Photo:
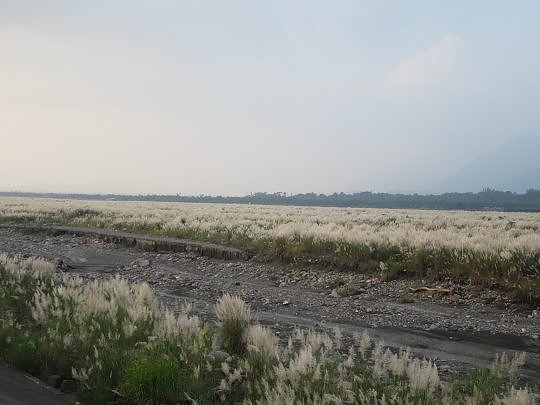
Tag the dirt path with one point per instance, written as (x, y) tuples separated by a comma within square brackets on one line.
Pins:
[(451, 330)]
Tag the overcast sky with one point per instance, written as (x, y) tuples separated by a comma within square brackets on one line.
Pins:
[(232, 97)]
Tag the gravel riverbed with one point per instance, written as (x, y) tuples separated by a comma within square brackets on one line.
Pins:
[(460, 329)]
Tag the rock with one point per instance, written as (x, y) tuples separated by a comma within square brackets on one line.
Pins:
[(218, 356), (349, 291), (61, 265), (405, 299), (68, 386), (54, 380), (140, 263), (144, 262)]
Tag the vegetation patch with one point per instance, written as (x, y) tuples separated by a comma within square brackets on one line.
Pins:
[(119, 343)]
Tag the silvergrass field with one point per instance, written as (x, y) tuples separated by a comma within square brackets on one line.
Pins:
[(483, 248)]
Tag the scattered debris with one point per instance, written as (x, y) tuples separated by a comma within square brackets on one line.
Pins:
[(428, 289)]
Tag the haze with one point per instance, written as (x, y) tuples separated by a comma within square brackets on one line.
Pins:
[(235, 97)]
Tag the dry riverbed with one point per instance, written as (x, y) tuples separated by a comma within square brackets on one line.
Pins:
[(464, 328)]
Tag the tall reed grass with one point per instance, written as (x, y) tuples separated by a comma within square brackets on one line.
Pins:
[(485, 248), (120, 343)]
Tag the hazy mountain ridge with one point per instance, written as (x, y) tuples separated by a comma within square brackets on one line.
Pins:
[(514, 166)]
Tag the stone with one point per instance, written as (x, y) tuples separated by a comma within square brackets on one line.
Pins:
[(220, 355), (68, 386), (349, 291)]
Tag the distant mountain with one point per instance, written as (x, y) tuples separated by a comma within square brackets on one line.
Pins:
[(514, 166)]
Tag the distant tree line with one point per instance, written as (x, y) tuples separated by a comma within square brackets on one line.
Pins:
[(487, 199)]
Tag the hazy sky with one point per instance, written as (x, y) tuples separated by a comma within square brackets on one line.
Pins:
[(230, 97)]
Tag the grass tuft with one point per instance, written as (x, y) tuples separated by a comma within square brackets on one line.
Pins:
[(233, 318)]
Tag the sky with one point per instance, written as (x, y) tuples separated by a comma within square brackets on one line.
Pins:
[(234, 97)]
